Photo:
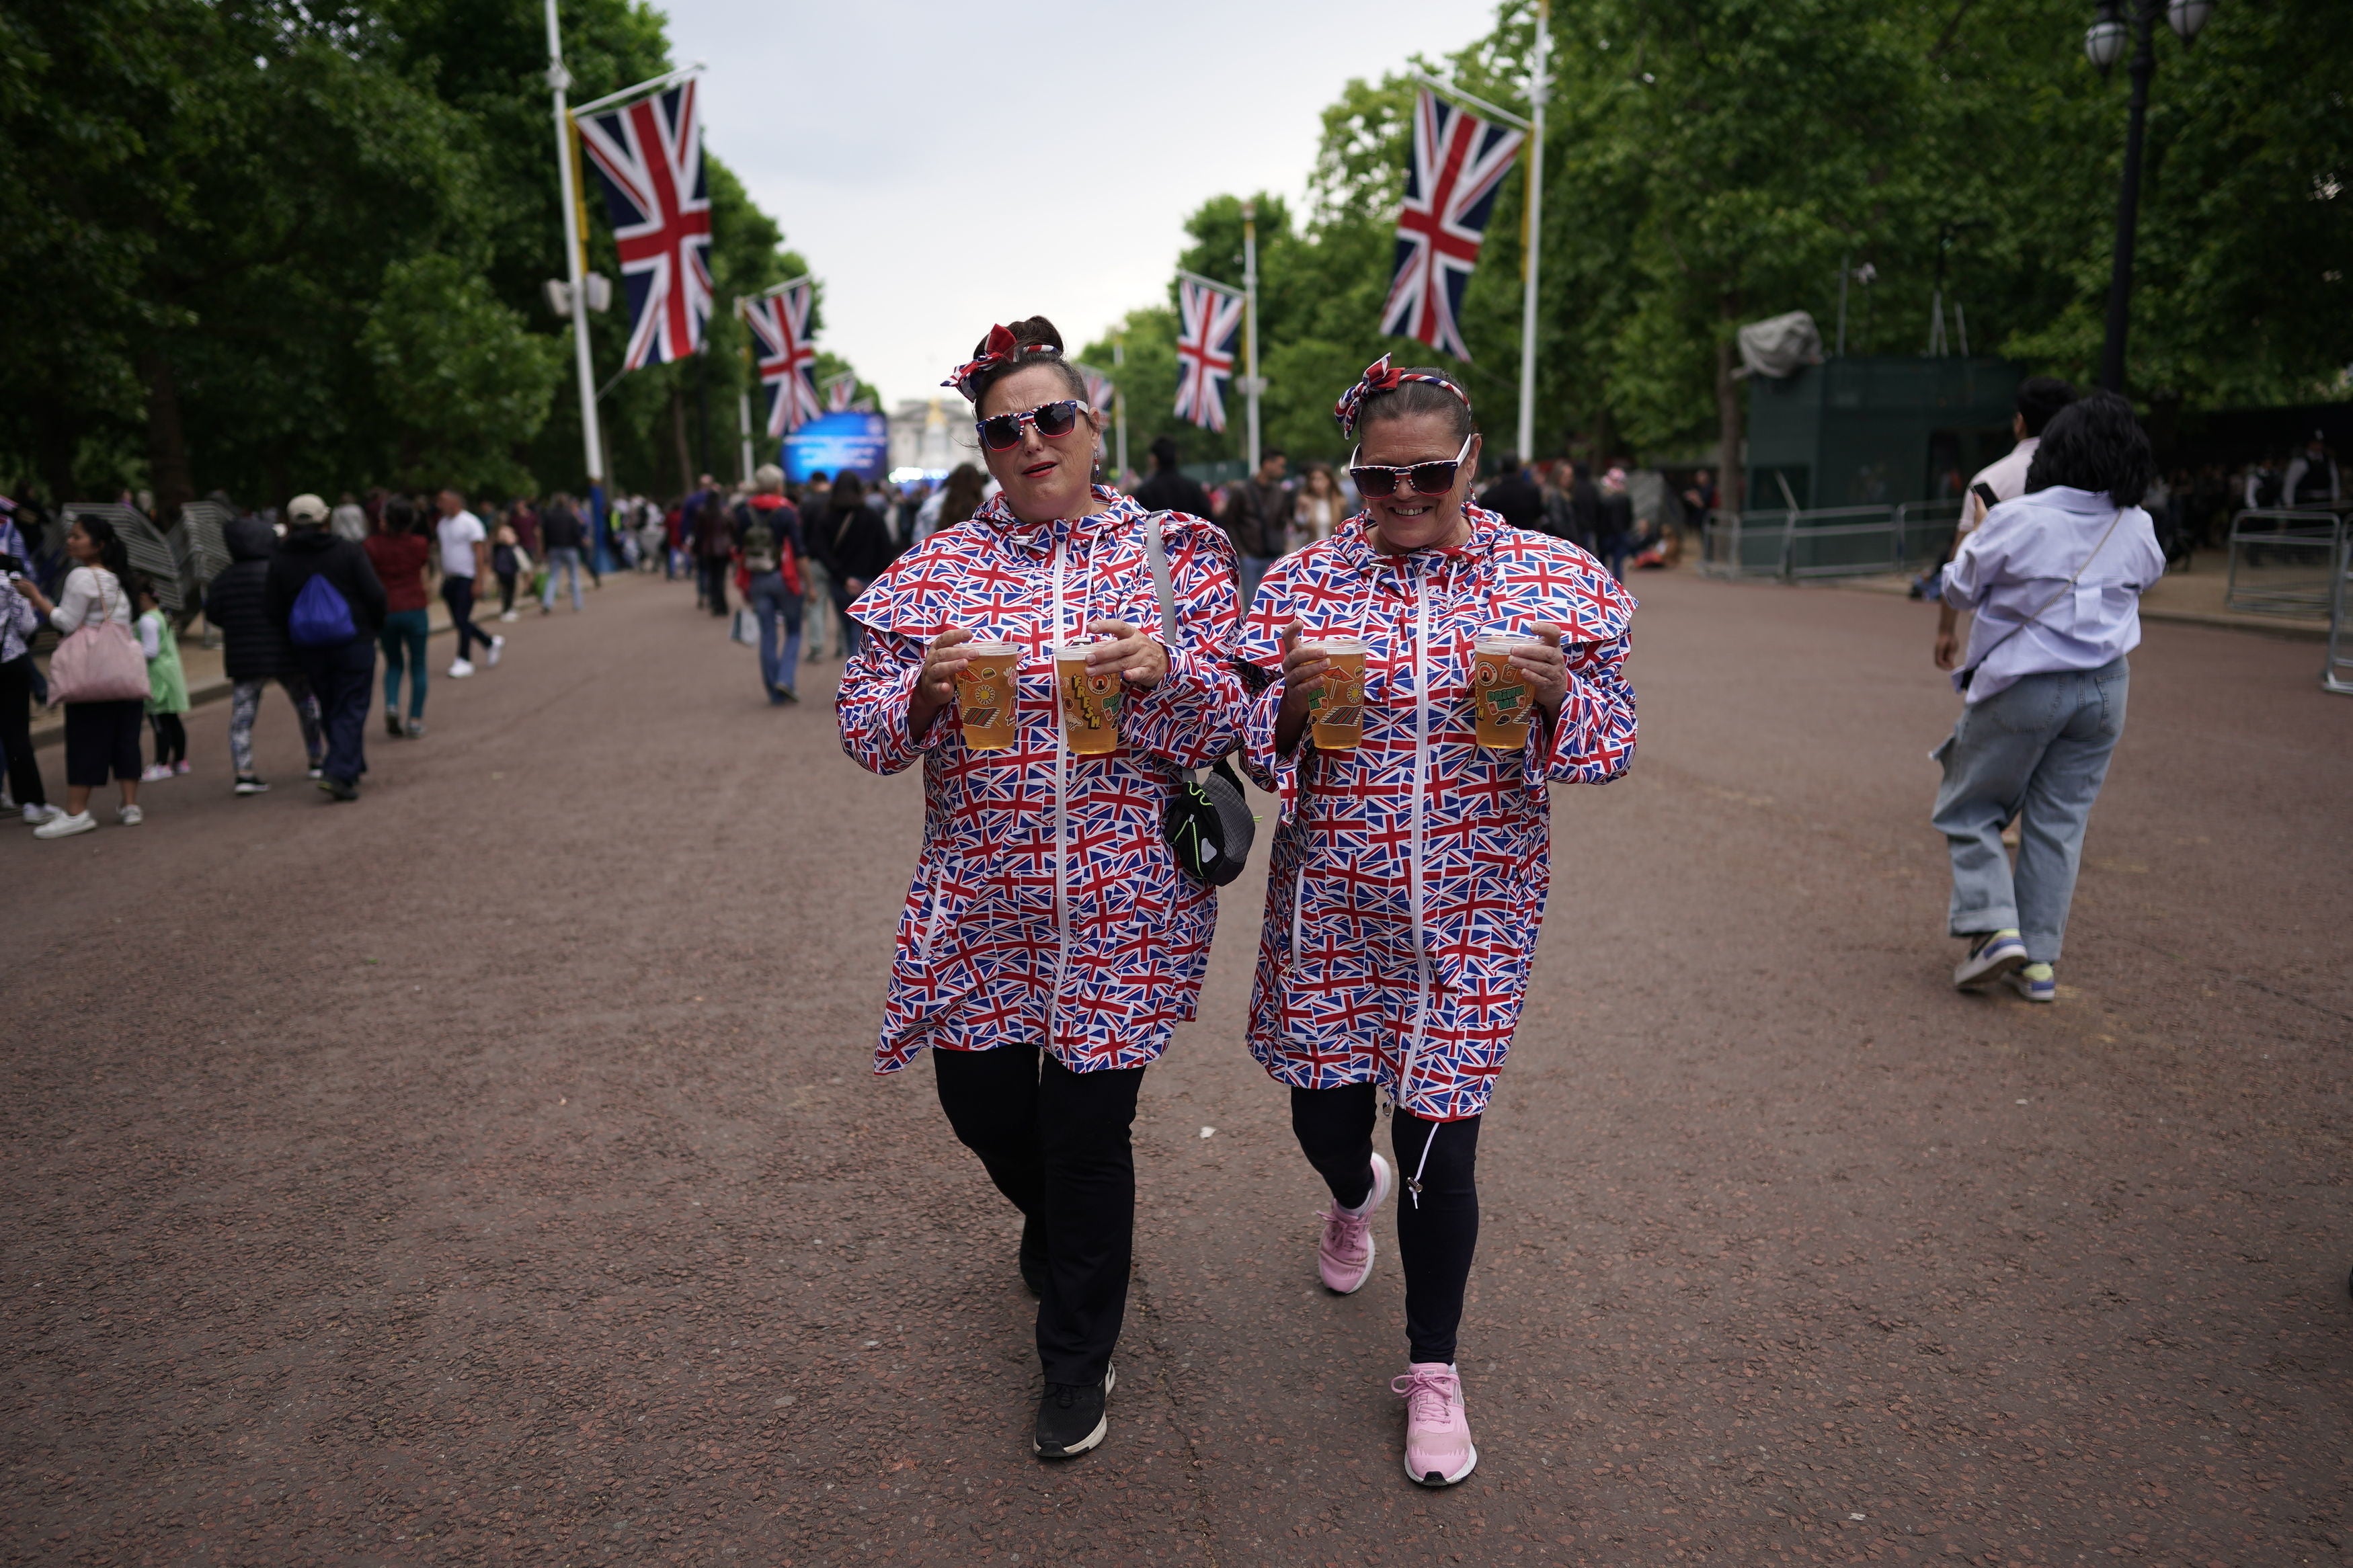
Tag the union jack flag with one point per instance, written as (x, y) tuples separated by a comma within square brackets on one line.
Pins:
[(1459, 162), (1099, 390), (648, 157), (841, 395), (1209, 327), (779, 325)]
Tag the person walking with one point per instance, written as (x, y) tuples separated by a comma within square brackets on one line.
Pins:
[(855, 543), (507, 563), (1515, 496), (348, 520), (465, 561), (560, 533), (1170, 488), (1317, 508), (401, 556), (101, 733), (2055, 579), (952, 504), (1615, 521), (323, 590), (20, 620), (167, 684), (768, 532), (2039, 399), (1258, 518), (714, 546), (254, 649), (1409, 871), (1046, 980)]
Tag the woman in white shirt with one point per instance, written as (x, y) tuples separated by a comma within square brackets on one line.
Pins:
[(100, 737), (2055, 577), (1318, 510)]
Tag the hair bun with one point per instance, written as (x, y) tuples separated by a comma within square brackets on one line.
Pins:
[(1037, 335)]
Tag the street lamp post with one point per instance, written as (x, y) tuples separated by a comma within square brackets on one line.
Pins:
[(2104, 44)]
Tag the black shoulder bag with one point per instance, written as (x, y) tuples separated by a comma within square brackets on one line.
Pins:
[(1207, 822)]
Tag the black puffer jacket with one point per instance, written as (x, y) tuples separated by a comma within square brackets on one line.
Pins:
[(253, 647)]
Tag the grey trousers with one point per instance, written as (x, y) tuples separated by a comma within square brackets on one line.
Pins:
[(2039, 750)]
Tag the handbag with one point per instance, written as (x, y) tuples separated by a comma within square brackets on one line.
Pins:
[(101, 663), (1207, 822)]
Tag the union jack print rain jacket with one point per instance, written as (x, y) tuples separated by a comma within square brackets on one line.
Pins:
[(1046, 908), (1409, 875)]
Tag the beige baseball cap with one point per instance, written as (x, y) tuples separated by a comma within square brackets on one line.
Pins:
[(306, 509)]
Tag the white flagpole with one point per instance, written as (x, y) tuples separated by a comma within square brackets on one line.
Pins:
[(1119, 401), (1539, 89), (1250, 383), (558, 80)]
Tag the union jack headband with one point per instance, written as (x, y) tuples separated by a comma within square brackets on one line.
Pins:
[(1379, 377), (998, 349)]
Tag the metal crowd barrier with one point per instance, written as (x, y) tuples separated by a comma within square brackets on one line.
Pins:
[(2284, 563), (1826, 542), (2337, 674)]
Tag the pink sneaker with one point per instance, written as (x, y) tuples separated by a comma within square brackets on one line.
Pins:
[(1345, 1255), (1438, 1447)]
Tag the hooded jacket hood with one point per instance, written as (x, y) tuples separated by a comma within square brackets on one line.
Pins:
[(250, 539)]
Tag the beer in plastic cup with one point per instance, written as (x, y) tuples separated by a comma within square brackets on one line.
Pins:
[(1501, 695), (1090, 701), (1336, 706), (986, 691)]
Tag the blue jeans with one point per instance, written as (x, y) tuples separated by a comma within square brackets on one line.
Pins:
[(404, 636), (561, 558), (2040, 750), (771, 602)]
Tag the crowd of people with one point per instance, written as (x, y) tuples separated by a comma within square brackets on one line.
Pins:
[(375, 561)]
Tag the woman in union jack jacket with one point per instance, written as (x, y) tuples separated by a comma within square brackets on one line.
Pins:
[(1050, 941), (1410, 870)]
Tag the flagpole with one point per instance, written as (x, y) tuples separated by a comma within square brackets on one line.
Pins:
[(591, 437), (1249, 324), (1539, 89), (743, 407), (1119, 401)]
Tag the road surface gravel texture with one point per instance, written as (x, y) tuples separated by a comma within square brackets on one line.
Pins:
[(491, 1171)]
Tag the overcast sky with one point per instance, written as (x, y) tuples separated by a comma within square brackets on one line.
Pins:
[(944, 166)]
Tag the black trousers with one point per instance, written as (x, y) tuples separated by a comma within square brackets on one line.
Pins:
[(714, 582), (1437, 1236), (103, 738), (17, 732), (457, 593), (171, 738), (1058, 1144), (343, 681)]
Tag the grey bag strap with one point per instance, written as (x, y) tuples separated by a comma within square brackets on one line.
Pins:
[(1156, 556)]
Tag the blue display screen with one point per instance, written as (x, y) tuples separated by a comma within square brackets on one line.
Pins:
[(831, 443)]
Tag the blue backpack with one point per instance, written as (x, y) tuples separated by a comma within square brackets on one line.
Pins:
[(322, 616)]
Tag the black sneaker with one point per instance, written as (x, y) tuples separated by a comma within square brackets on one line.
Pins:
[(1071, 1419), (1033, 1256), (392, 725), (338, 790)]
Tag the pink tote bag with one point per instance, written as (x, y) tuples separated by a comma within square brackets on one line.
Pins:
[(99, 663)]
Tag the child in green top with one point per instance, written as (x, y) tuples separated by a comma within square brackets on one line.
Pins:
[(167, 686)]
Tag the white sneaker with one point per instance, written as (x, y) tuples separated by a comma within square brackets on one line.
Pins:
[(37, 815), (315, 772), (155, 771), (511, 616), (461, 669), (498, 646), (64, 826), (130, 816)]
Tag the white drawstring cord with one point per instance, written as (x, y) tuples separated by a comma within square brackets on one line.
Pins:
[(1062, 818)]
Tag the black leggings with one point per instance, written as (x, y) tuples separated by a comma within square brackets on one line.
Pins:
[(171, 738), (1436, 1237), (1057, 1143)]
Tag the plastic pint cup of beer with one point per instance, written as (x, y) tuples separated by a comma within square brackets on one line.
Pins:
[(1337, 706), (986, 693), (1501, 694), (1090, 701)]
